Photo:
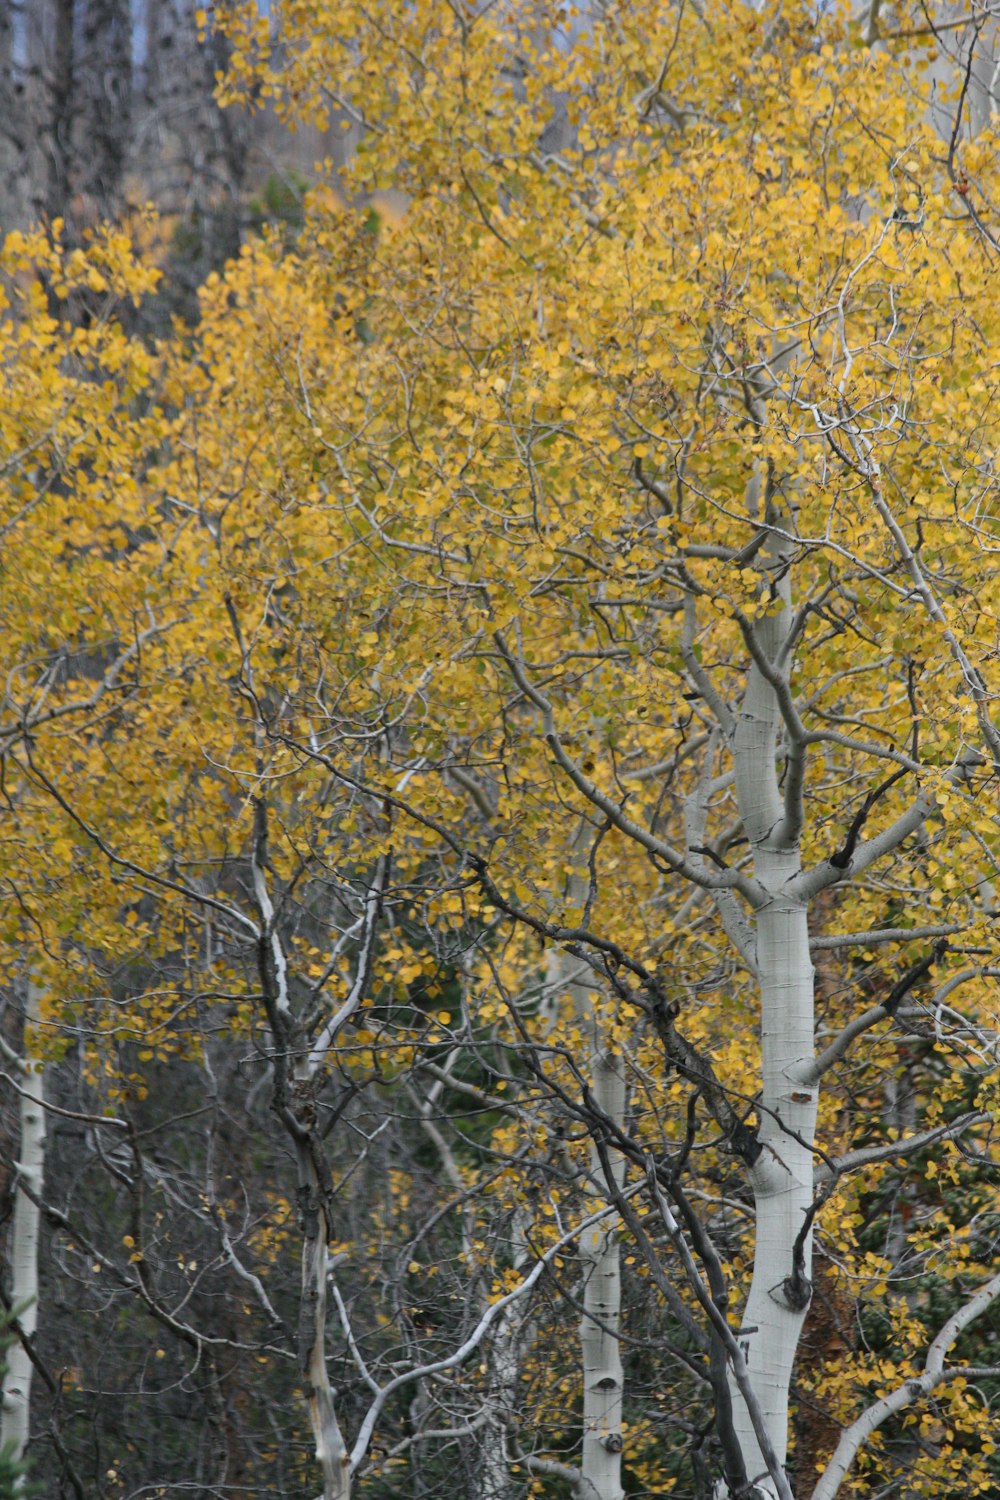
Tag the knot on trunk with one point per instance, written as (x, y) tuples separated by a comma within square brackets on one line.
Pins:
[(796, 1292), (743, 1143), (304, 1103), (308, 1213)]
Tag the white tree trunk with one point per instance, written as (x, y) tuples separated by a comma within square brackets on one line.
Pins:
[(30, 1166), (603, 1377), (331, 1450), (600, 1257), (782, 1175)]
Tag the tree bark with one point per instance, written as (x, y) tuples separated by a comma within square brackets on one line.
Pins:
[(781, 1177), (16, 1397), (600, 1258), (105, 85), (58, 128), (782, 1174)]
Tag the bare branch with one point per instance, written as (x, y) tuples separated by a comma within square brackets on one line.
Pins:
[(726, 880), (475, 1338), (363, 968), (882, 1011), (903, 1149)]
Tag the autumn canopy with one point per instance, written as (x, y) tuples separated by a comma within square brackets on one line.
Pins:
[(500, 744)]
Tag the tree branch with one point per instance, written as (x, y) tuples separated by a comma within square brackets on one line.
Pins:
[(903, 1149), (871, 1017), (935, 1374), (727, 880)]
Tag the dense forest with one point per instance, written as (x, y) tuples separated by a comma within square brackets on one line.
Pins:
[(499, 750)]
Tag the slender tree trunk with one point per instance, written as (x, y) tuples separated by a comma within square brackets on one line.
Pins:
[(496, 1478), (293, 1100), (782, 1175), (16, 1398), (600, 1260), (600, 1256), (331, 1450)]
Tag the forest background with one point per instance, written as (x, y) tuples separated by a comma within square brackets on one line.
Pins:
[(499, 749)]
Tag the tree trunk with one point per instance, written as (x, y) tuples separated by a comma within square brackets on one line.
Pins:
[(331, 1450), (16, 1399), (781, 1177), (600, 1256), (782, 1174), (105, 87), (57, 138), (497, 1482)]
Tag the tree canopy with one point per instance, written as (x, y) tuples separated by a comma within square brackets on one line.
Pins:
[(500, 753)]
